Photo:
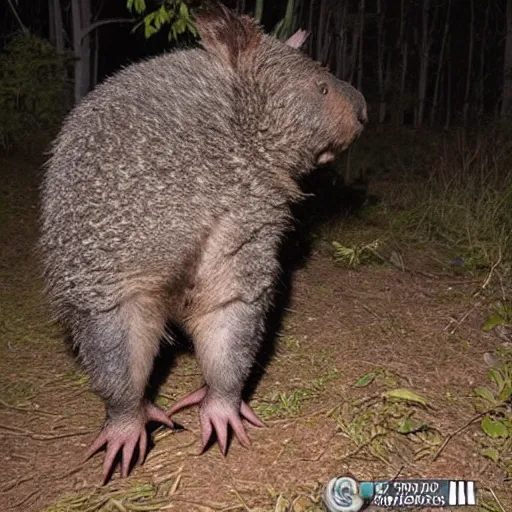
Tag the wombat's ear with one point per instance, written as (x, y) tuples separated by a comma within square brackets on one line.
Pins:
[(298, 39), (227, 35)]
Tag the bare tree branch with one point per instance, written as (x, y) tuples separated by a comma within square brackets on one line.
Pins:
[(98, 24), (17, 16)]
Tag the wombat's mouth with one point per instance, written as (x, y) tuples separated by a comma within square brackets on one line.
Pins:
[(330, 153), (325, 157)]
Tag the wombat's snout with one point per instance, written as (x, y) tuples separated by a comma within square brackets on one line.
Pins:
[(362, 112), (360, 107), (357, 101)]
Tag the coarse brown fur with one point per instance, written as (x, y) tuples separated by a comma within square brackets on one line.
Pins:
[(167, 195)]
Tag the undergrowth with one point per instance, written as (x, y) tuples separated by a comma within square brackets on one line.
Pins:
[(466, 202), (457, 203), (388, 421), (494, 403)]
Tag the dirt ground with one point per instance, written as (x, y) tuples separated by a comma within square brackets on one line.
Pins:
[(348, 337)]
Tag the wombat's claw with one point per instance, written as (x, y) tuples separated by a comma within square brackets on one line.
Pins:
[(126, 437), (194, 398), (219, 421), (247, 412)]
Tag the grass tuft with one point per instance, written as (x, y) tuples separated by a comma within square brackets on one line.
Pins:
[(465, 203)]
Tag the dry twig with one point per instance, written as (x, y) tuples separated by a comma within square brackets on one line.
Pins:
[(464, 427)]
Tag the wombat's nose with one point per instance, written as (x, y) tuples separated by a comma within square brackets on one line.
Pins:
[(361, 109), (357, 100)]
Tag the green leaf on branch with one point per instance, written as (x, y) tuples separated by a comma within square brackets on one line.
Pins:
[(184, 11), (139, 5), (174, 13)]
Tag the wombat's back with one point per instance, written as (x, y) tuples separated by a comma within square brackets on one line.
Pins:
[(128, 189)]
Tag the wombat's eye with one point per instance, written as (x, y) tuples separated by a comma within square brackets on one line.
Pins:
[(322, 87)]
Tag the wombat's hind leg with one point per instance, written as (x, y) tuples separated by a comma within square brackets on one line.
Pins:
[(117, 349), (226, 341)]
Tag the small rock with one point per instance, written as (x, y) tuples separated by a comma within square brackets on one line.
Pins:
[(504, 332), (490, 359), (303, 504)]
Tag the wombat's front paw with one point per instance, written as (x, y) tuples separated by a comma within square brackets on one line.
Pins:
[(126, 436), (216, 414)]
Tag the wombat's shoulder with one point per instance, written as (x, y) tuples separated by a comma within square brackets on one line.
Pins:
[(172, 72), (163, 98)]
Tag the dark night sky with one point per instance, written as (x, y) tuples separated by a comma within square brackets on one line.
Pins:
[(118, 46)]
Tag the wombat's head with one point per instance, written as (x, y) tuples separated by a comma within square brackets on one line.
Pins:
[(293, 107)]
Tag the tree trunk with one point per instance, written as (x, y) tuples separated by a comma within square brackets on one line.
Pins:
[(17, 16), (56, 25), (448, 117), (481, 78), (258, 10), (404, 51), (361, 37), (302, 10), (340, 16), (51, 22), (403, 80), (353, 54), (59, 27), (85, 51), (465, 110), (76, 23), (310, 26), (82, 27), (506, 104), (433, 110), (388, 75), (380, 62), (95, 60), (424, 62), (321, 31), (240, 6)]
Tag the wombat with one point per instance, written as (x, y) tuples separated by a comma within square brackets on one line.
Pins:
[(166, 197)]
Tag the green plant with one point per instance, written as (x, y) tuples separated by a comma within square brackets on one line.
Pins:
[(290, 403), (380, 376), (174, 13), (356, 255), (387, 422), (501, 316), (495, 403), (464, 204)]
